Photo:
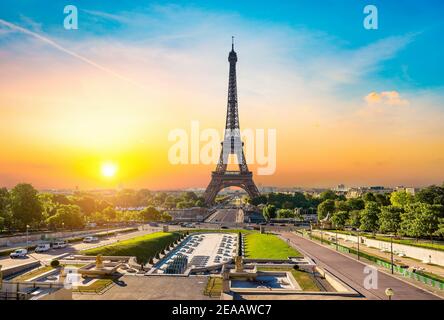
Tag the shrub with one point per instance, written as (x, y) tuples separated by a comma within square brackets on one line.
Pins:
[(55, 263)]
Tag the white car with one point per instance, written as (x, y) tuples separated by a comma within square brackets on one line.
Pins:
[(43, 247), (19, 253), (90, 239), (59, 244)]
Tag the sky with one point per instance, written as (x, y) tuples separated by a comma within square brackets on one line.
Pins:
[(348, 105)]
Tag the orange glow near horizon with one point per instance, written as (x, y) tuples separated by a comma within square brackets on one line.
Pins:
[(56, 130)]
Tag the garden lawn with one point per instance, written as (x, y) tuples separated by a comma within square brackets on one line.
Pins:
[(267, 246), (143, 247), (34, 273)]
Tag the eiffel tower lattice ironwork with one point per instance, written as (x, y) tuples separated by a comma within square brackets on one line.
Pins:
[(232, 145)]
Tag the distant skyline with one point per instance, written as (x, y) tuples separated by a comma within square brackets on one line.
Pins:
[(350, 105)]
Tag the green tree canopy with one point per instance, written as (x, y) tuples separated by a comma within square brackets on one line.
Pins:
[(269, 212), (401, 198), (26, 208), (339, 219), (369, 217), (150, 214), (67, 216), (328, 206), (285, 213), (390, 219)]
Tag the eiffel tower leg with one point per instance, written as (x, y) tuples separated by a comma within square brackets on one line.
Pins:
[(212, 190)]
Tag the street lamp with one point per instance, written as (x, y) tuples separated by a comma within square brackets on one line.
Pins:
[(389, 293), (358, 242), (322, 236), (391, 251), (336, 240), (27, 235)]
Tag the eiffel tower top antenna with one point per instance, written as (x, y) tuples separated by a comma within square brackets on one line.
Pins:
[(232, 43)]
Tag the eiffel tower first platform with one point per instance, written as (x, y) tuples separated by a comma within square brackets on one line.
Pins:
[(232, 145)]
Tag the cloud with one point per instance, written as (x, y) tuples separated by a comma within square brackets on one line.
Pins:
[(59, 47), (390, 98)]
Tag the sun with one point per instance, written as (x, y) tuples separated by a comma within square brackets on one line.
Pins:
[(109, 169)]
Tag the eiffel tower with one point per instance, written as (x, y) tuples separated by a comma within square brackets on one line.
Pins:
[(232, 145)]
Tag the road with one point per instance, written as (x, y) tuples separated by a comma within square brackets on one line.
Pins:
[(7, 262), (224, 215), (352, 272)]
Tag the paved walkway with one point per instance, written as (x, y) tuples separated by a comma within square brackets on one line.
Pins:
[(152, 288), (352, 272)]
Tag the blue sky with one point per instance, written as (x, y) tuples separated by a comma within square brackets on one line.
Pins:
[(419, 64)]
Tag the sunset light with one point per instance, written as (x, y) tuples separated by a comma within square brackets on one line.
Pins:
[(109, 170)]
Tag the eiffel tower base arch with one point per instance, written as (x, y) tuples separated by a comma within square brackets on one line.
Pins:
[(221, 181)]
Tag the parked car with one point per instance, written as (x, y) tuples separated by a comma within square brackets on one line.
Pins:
[(90, 239), (43, 247), (59, 244), (19, 253)]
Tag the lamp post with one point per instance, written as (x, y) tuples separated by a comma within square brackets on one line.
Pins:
[(322, 236), (336, 240), (27, 235), (358, 242), (391, 252)]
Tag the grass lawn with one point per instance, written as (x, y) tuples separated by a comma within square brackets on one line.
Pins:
[(267, 246), (304, 279), (214, 287), (33, 273), (143, 247)]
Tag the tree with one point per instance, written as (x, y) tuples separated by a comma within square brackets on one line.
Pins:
[(341, 205), (150, 214), (5, 212), (269, 212), (170, 202), (86, 203), (339, 219), (328, 195), (26, 208), (369, 197), (166, 217), (258, 200), (390, 219), (297, 215), (68, 216), (369, 217), (285, 213), (109, 213), (355, 204), (287, 205), (354, 219), (431, 195), (382, 199), (401, 198), (200, 202), (326, 207), (440, 231), (421, 219)]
